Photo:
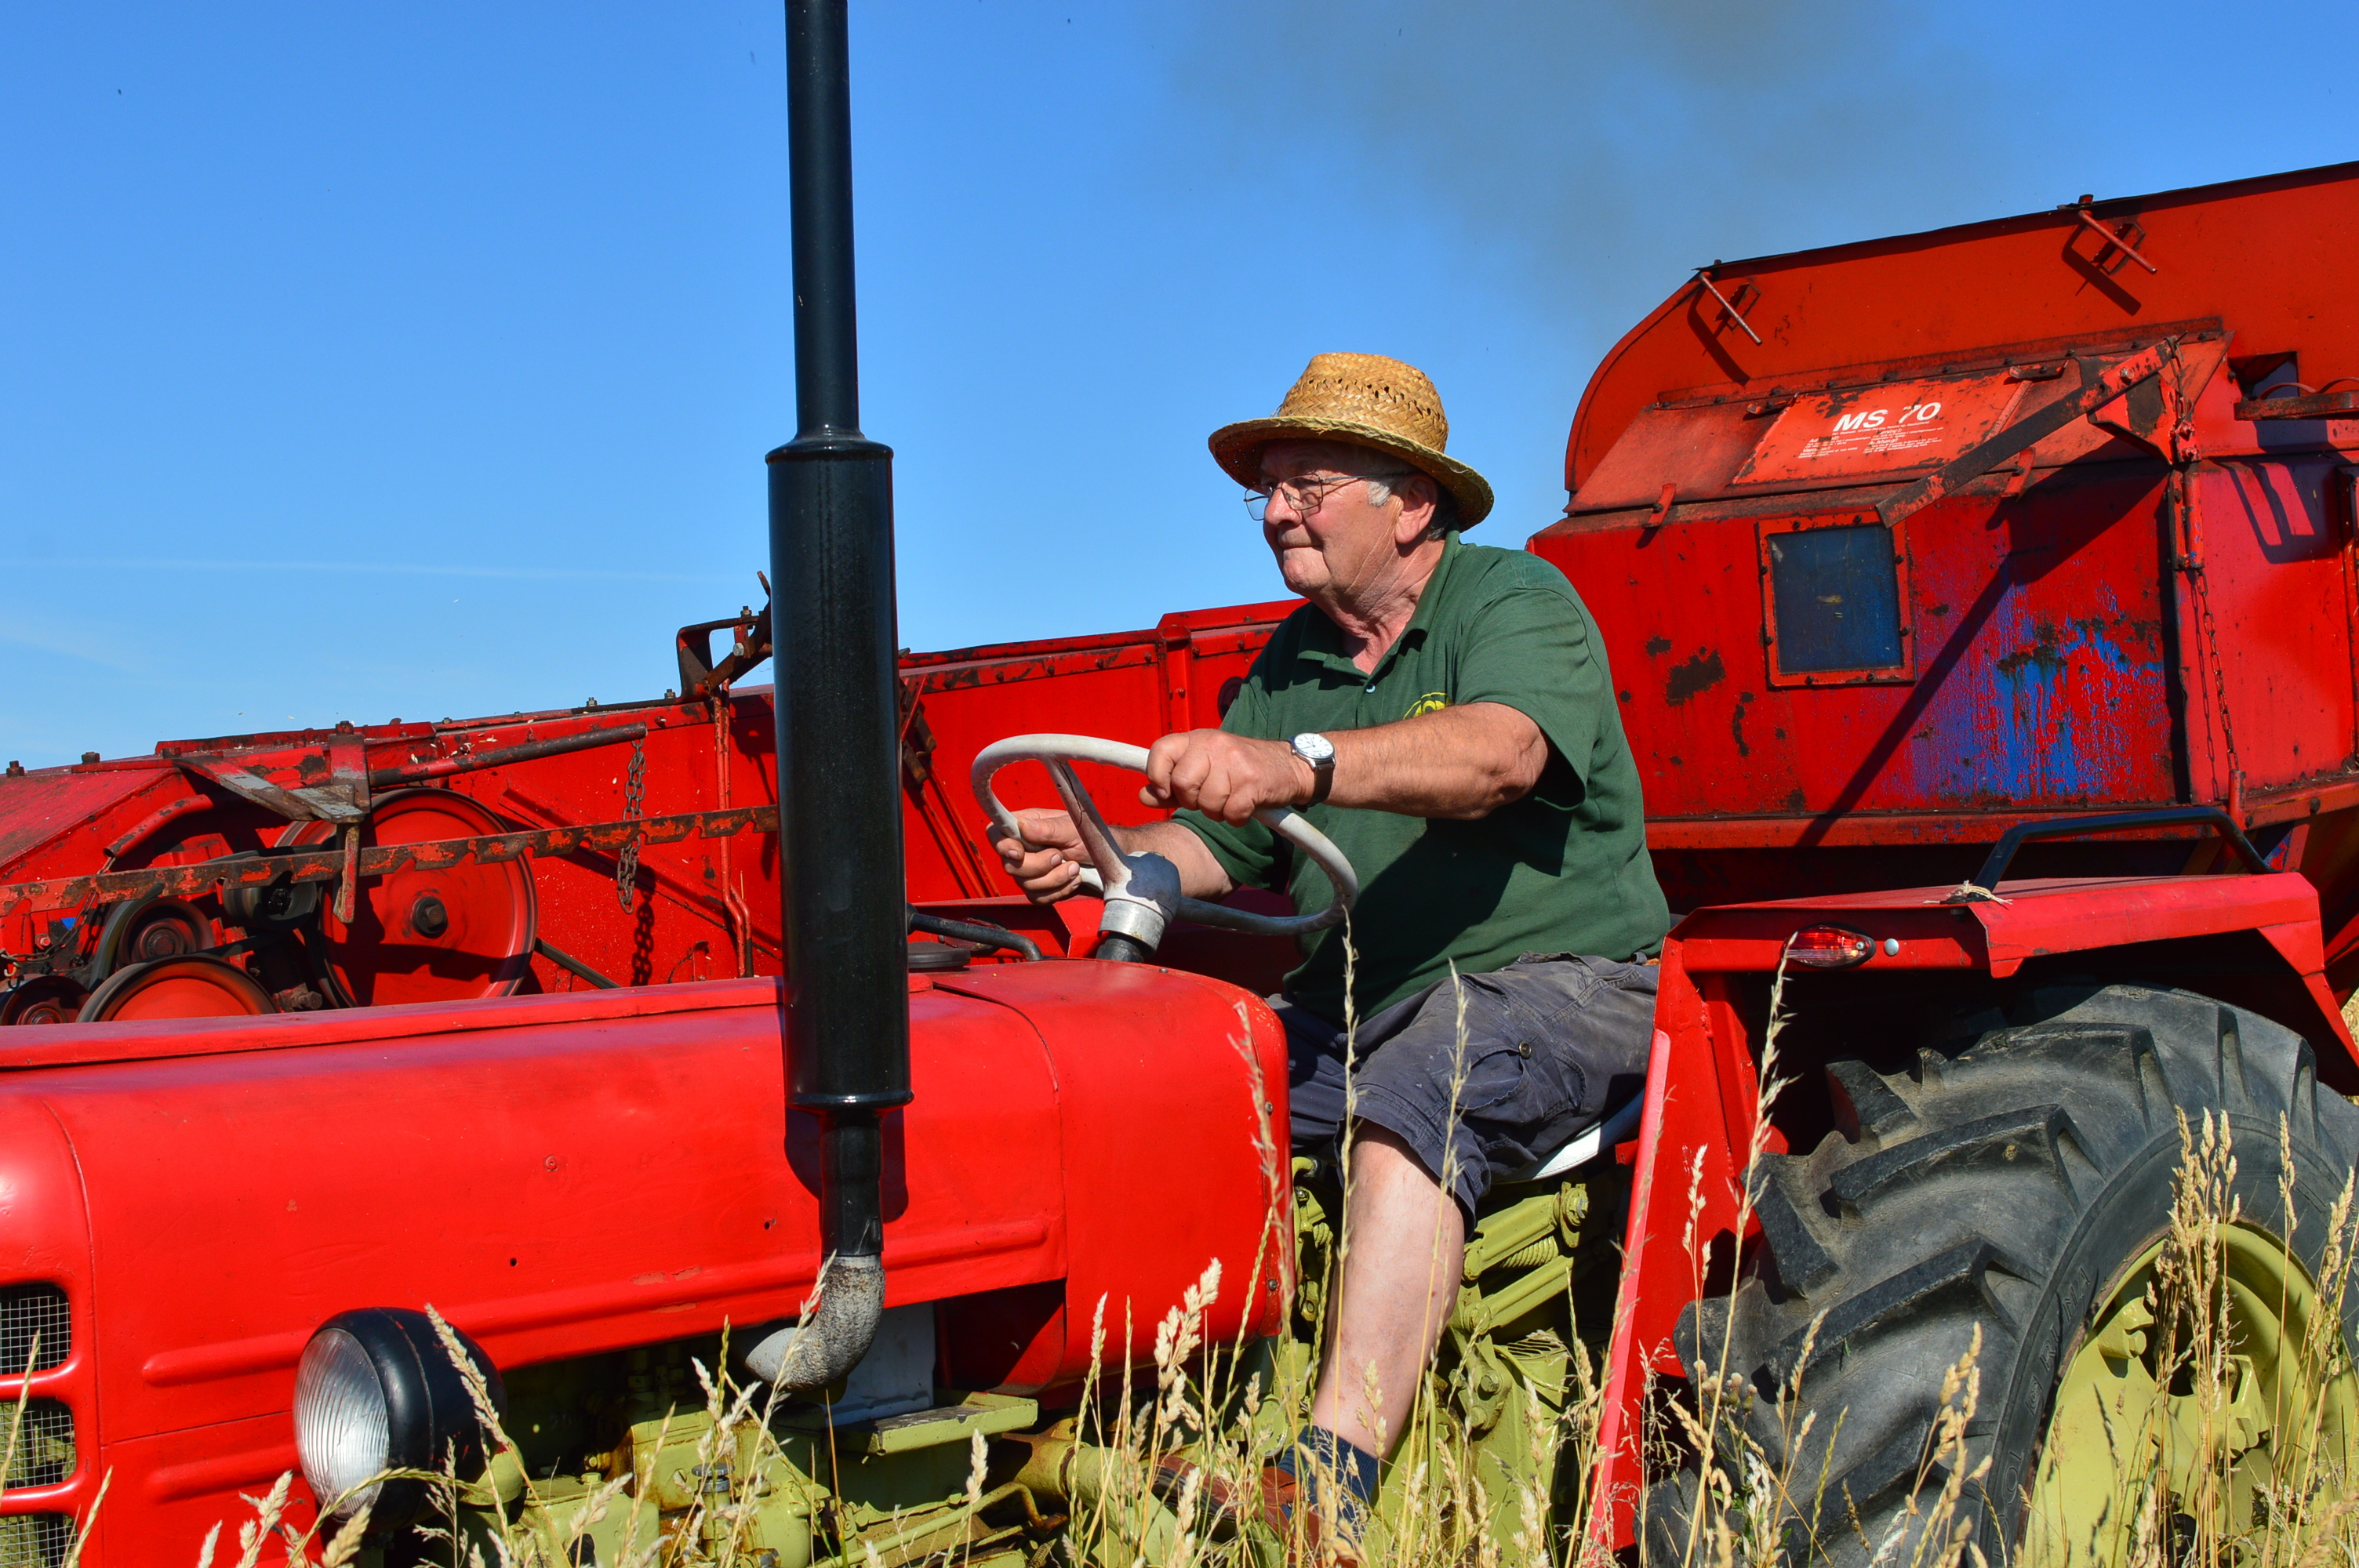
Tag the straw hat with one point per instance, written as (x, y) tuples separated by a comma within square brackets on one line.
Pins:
[(1369, 401)]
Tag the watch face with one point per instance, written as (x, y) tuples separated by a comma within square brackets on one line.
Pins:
[(1314, 749)]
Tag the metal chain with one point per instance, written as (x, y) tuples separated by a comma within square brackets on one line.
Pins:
[(2183, 449), (2219, 679), (626, 864), (740, 923), (2179, 446)]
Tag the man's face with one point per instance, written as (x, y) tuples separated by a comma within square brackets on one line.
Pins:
[(1338, 543)]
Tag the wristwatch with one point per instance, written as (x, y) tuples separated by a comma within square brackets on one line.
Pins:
[(1320, 752)]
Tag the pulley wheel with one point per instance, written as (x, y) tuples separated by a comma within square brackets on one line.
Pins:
[(42, 999), (159, 928), (191, 985), (427, 936)]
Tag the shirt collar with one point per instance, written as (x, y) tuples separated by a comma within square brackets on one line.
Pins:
[(1323, 643)]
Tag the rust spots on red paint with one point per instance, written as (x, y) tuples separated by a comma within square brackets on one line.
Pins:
[(1698, 673), (2046, 651)]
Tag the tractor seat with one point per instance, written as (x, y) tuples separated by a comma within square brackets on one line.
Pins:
[(1582, 1141)]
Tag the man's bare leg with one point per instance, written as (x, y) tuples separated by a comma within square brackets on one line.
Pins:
[(1407, 1246)]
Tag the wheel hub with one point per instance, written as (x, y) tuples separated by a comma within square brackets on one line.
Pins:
[(2183, 1428)]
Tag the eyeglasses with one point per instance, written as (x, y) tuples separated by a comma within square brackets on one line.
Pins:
[(1307, 494)]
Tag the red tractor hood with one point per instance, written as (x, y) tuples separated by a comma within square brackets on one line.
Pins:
[(567, 1174)]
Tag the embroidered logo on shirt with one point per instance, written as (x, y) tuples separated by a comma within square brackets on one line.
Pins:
[(1431, 702)]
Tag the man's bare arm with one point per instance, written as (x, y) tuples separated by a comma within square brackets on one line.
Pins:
[(1464, 762), (1051, 869), (1201, 876)]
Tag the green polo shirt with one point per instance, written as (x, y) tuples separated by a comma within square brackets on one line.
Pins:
[(1564, 870)]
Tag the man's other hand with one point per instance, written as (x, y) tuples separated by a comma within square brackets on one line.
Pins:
[(1224, 775), (1051, 868)]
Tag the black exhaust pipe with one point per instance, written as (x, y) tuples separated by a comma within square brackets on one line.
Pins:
[(847, 1026)]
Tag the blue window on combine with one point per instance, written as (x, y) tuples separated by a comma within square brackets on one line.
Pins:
[(1838, 598)]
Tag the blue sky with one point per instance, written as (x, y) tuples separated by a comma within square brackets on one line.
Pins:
[(419, 361)]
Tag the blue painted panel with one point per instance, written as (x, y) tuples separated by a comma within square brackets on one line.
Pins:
[(1838, 598)]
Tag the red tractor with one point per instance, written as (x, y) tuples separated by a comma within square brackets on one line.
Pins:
[(1981, 607)]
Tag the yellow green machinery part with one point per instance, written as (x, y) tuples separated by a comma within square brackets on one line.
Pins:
[(2183, 1428), (1489, 1450), (624, 1449)]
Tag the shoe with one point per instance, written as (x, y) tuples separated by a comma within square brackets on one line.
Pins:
[(1314, 1542), (1221, 1501), (1273, 1502)]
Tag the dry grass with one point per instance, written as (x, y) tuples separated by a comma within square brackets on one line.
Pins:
[(1234, 1405)]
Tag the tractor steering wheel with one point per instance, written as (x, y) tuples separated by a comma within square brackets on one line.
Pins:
[(1115, 871)]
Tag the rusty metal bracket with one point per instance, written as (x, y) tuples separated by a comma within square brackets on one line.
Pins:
[(700, 674), (348, 770), (2154, 415), (415, 771), (1703, 275), (333, 782), (299, 802), (2096, 390), (327, 863), (2119, 241), (348, 883), (2316, 405)]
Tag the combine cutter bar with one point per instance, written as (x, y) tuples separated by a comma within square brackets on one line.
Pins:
[(325, 864)]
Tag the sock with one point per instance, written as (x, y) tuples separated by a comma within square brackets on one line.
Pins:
[(1319, 1457)]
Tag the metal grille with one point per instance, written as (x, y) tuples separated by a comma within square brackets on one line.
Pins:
[(45, 1442), (35, 1540), (28, 1312)]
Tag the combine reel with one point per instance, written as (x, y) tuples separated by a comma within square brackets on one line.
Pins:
[(408, 935)]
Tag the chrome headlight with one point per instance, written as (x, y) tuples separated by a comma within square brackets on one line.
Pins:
[(343, 1429), (377, 1392)]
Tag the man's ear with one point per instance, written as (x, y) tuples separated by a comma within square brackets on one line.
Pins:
[(1419, 498)]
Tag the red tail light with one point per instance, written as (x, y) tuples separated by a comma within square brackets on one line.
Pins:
[(1829, 947)]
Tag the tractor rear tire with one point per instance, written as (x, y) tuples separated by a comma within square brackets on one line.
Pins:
[(2020, 1187)]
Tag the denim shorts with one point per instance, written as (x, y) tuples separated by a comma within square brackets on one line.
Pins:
[(1552, 1043)]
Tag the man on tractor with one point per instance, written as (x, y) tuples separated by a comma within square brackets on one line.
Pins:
[(1443, 711)]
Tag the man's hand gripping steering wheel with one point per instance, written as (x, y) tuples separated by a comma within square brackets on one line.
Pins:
[(1142, 890)]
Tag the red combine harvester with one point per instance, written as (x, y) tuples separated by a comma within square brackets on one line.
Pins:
[(1982, 607)]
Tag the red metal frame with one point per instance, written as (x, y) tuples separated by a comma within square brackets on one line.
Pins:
[(1695, 1135)]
